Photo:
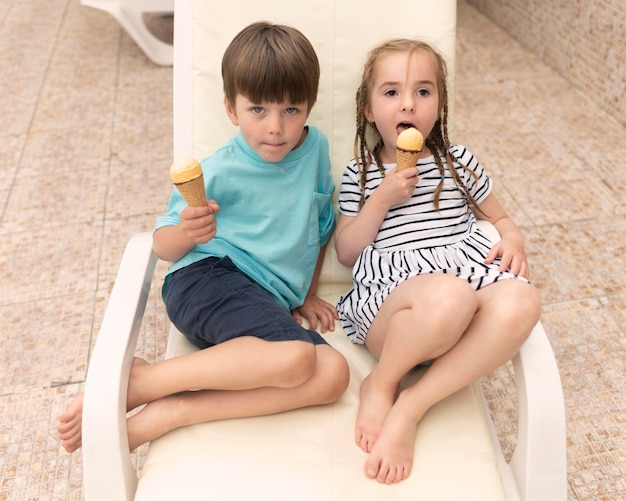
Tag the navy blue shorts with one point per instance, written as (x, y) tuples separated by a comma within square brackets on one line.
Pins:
[(212, 301)]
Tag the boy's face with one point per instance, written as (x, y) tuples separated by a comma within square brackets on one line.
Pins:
[(271, 129)]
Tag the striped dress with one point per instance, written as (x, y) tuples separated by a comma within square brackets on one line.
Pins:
[(415, 238)]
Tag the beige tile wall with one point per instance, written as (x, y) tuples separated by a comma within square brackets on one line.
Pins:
[(583, 40)]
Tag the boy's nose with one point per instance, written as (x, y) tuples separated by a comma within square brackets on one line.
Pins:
[(275, 125)]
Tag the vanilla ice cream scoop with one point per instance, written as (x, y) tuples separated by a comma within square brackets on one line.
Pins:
[(186, 174), (408, 146)]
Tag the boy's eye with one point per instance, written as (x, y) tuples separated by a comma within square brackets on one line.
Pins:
[(257, 109), (291, 111)]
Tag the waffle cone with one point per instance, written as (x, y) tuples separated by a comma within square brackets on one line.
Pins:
[(193, 191), (406, 158)]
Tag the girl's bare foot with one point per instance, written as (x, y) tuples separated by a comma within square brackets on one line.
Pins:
[(70, 425), (391, 458), (373, 409)]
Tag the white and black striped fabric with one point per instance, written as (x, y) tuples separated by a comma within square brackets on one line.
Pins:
[(415, 238)]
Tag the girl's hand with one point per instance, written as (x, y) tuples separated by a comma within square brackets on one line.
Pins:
[(199, 224), (397, 186), (316, 310), (512, 255)]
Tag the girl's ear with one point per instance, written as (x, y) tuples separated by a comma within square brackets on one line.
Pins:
[(230, 112), (367, 111)]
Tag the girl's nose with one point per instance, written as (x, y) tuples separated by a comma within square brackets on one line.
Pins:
[(408, 104)]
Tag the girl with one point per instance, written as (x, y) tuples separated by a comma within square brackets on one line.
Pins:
[(428, 285)]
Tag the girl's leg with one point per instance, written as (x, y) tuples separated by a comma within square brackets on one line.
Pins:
[(238, 366), (420, 320), (507, 312)]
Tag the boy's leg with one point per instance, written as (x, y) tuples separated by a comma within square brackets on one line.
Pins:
[(508, 310), (256, 343), (327, 381)]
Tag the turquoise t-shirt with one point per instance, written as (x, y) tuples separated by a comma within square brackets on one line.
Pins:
[(273, 217)]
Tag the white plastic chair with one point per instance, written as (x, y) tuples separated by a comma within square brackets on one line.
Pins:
[(307, 454), (130, 14)]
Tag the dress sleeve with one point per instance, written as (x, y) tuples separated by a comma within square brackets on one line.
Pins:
[(350, 193), (479, 184)]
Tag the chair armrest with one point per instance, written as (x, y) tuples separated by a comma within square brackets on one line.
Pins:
[(107, 470), (539, 463)]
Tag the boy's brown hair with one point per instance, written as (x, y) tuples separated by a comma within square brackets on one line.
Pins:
[(273, 63)]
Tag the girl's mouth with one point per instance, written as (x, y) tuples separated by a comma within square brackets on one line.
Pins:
[(403, 126)]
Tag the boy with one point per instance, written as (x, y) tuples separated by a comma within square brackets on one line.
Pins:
[(245, 267)]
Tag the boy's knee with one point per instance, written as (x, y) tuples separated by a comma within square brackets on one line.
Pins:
[(335, 377), (300, 361)]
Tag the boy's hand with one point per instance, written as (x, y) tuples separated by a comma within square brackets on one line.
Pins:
[(316, 310), (199, 224)]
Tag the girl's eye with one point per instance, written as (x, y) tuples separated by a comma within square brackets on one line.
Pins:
[(391, 93), (423, 92)]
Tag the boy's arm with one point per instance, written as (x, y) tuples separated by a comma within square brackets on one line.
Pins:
[(315, 309), (197, 225)]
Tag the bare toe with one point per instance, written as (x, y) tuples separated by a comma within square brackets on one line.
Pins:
[(70, 425)]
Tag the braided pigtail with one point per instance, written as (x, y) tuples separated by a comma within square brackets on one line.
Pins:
[(361, 152), (439, 143), (365, 153)]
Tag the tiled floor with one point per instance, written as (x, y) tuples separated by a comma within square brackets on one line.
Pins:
[(85, 143)]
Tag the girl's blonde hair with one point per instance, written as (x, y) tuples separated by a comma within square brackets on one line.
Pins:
[(437, 142)]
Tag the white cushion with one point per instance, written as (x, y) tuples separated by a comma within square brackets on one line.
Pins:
[(310, 454)]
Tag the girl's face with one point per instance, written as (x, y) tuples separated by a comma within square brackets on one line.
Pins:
[(403, 93), (271, 129)]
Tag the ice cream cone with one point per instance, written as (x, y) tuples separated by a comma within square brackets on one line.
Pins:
[(186, 174), (408, 147), (406, 158)]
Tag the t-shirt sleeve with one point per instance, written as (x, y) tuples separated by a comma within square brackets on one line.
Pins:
[(323, 196)]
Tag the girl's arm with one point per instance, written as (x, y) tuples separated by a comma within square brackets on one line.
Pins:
[(511, 246), (354, 233)]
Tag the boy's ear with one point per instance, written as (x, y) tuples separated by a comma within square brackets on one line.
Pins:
[(230, 112)]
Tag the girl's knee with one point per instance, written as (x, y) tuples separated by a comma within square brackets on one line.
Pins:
[(519, 308), (525, 303), (452, 298)]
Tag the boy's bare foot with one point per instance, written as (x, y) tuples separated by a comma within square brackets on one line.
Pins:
[(373, 409), (391, 458), (154, 420), (70, 425)]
